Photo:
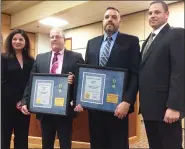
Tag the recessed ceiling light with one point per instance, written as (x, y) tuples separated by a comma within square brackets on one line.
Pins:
[(55, 22)]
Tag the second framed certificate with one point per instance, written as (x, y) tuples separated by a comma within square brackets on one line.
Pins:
[(100, 88), (49, 94)]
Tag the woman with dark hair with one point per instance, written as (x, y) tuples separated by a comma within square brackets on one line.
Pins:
[(15, 70)]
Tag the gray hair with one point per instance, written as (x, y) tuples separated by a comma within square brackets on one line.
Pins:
[(58, 30)]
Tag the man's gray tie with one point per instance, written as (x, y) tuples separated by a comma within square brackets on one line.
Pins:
[(106, 52), (149, 42)]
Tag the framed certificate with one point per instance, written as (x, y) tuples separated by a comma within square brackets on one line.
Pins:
[(100, 88), (49, 94)]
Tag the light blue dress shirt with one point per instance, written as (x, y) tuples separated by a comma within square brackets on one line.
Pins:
[(104, 43)]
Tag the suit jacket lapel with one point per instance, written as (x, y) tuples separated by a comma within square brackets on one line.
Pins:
[(115, 48), (47, 61), (149, 50), (144, 44), (65, 61), (97, 48), (157, 39), (142, 48), (25, 63)]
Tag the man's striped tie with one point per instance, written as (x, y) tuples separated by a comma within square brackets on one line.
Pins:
[(149, 42), (55, 63), (106, 52)]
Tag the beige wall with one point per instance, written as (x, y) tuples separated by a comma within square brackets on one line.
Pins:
[(43, 43), (81, 35), (5, 30), (176, 17), (177, 14), (135, 24)]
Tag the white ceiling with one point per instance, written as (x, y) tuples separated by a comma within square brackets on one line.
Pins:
[(12, 7), (80, 15)]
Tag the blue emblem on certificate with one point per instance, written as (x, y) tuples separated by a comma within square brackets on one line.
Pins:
[(49, 94), (100, 88)]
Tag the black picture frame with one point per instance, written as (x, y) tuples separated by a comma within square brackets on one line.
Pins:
[(79, 87), (59, 102)]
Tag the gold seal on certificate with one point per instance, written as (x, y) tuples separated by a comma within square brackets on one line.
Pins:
[(59, 102), (87, 95), (112, 98)]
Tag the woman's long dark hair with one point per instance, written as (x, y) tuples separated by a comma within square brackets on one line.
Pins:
[(9, 50)]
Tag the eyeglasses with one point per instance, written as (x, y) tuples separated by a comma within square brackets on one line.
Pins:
[(56, 37)]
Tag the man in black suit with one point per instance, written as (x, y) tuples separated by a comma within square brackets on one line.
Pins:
[(110, 130), (58, 61), (161, 80)]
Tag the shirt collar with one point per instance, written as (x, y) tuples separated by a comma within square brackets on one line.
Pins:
[(113, 36), (159, 29), (61, 52)]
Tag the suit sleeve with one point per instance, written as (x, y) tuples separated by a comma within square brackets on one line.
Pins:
[(132, 88), (3, 69), (25, 98), (3, 78), (80, 60), (86, 54), (176, 86)]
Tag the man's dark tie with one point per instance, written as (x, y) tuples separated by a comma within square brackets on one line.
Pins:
[(54, 63), (149, 42), (106, 52)]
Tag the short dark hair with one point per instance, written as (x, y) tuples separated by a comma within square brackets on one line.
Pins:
[(9, 50), (164, 5), (112, 8)]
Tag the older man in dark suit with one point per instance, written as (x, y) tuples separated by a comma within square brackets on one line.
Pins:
[(113, 49), (57, 61), (161, 80)]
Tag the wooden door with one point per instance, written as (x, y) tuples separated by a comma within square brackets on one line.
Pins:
[(68, 43), (5, 29)]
